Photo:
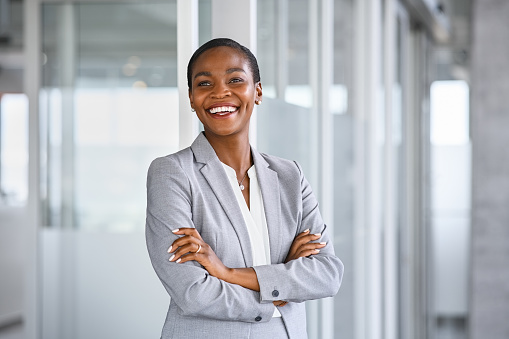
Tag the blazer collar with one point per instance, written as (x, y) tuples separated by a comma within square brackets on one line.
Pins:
[(269, 185), (213, 172), (215, 175)]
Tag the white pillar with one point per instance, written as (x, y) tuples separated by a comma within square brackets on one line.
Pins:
[(32, 79), (187, 43)]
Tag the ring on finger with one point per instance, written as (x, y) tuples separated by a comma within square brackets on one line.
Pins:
[(199, 248)]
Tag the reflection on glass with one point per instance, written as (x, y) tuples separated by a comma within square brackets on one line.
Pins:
[(13, 149), (109, 105)]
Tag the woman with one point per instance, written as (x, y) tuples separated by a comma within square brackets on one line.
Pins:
[(234, 235)]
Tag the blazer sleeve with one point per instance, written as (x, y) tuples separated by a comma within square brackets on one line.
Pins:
[(189, 285), (306, 278)]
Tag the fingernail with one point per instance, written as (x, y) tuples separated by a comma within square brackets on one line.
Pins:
[(323, 243), (171, 258), (317, 250), (317, 234), (175, 231), (306, 230), (178, 260), (169, 249)]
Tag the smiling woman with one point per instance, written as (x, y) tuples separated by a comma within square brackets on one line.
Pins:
[(234, 234)]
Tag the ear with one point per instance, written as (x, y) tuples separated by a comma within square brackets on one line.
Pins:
[(258, 92), (191, 99)]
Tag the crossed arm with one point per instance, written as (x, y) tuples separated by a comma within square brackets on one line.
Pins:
[(239, 294), (192, 247)]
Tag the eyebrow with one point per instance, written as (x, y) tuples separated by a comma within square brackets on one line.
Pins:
[(199, 74), (228, 71), (231, 70)]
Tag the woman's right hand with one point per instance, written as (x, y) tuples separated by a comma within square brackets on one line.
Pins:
[(304, 246)]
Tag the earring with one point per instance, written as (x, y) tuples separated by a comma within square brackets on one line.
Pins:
[(258, 102), (193, 110)]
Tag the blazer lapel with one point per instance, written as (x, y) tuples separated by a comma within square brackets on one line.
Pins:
[(269, 185), (216, 177)]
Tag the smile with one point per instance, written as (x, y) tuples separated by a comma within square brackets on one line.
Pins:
[(222, 110)]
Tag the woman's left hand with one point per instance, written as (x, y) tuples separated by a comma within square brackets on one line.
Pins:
[(192, 247)]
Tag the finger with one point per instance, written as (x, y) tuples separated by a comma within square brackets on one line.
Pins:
[(186, 239), (311, 246), (187, 231), (188, 257), (305, 232), (307, 253), (188, 248), (304, 240)]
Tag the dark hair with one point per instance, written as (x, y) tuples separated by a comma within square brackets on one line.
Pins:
[(223, 42)]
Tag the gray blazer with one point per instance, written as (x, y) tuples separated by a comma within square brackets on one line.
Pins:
[(190, 189)]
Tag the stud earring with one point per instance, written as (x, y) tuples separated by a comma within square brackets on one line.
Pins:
[(193, 110)]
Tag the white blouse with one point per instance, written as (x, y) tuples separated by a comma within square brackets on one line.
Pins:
[(254, 218)]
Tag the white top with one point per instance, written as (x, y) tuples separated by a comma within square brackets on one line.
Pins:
[(254, 218)]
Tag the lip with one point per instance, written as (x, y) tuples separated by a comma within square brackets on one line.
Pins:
[(221, 104), (219, 115)]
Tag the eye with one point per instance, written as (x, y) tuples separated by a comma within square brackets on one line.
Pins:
[(203, 83), (235, 80)]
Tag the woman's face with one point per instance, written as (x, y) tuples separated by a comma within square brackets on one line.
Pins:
[(223, 91)]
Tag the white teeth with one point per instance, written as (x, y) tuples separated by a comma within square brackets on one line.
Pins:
[(224, 110)]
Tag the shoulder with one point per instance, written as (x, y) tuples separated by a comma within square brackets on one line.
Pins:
[(284, 167), (172, 164)]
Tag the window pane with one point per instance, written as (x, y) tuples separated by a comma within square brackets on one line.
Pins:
[(13, 149), (109, 105)]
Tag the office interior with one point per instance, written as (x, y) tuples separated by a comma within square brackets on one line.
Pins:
[(394, 108)]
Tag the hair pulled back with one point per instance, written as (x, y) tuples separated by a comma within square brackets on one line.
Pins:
[(223, 42)]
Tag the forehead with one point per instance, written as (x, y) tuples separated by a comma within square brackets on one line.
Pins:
[(220, 59)]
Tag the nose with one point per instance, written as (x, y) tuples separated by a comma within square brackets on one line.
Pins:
[(220, 91)]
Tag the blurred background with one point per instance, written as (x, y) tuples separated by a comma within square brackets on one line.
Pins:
[(396, 109)]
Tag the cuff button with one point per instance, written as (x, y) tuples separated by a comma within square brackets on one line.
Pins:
[(275, 293), (258, 318)]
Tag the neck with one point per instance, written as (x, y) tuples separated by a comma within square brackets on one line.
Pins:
[(232, 150)]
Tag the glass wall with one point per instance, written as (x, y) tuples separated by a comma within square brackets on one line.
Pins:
[(109, 104), (286, 123), (108, 107), (13, 149), (451, 163)]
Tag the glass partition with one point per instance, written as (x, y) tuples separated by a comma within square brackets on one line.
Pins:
[(109, 106), (13, 149)]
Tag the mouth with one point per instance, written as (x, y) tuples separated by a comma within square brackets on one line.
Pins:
[(222, 110)]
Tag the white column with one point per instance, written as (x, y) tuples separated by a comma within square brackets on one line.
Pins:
[(235, 19), (368, 223), (187, 43), (32, 79), (390, 266)]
